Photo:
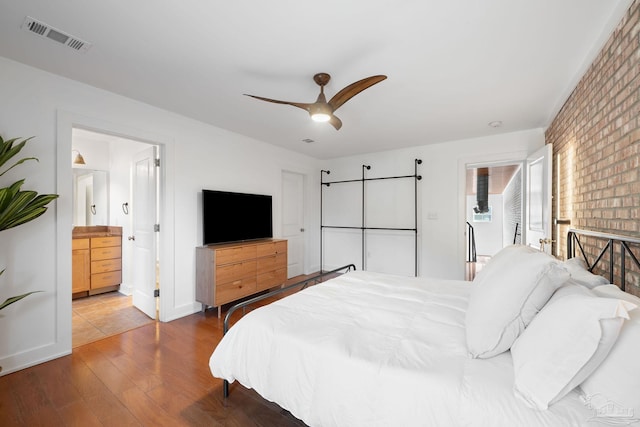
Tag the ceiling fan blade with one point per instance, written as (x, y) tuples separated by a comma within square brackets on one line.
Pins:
[(353, 89), (335, 122), (275, 101)]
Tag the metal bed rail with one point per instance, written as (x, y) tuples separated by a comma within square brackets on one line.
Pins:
[(303, 283), (573, 242)]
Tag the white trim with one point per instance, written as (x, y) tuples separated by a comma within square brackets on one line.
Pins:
[(65, 122)]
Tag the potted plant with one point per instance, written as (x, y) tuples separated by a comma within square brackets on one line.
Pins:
[(17, 206)]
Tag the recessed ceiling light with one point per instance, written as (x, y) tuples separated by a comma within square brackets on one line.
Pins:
[(495, 124), (308, 140)]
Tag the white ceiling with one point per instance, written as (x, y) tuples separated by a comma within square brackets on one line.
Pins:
[(452, 66)]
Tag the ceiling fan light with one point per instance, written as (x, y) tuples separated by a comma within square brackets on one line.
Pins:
[(320, 117), (320, 112)]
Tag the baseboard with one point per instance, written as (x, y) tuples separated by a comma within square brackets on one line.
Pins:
[(31, 358)]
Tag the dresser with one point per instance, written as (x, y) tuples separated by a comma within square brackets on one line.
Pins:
[(231, 271), (96, 260)]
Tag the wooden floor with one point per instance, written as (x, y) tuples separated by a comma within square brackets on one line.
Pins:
[(100, 316), (155, 375)]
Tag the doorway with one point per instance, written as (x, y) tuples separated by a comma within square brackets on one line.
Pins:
[(493, 211), (105, 314), (293, 220)]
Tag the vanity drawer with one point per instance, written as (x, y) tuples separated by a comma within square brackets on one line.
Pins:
[(103, 242), (102, 266), (106, 253), (101, 280)]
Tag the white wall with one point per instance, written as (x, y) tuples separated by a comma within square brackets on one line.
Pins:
[(37, 255), (441, 198)]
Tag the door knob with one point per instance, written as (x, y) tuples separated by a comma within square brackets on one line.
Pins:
[(131, 238), (302, 230), (545, 241)]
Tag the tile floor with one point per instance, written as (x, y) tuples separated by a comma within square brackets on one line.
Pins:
[(100, 316)]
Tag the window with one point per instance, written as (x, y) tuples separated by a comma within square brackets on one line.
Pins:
[(482, 217)]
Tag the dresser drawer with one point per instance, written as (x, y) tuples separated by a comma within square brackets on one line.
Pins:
[(231, 272), (101, 280), (235, 254), (271, 248), (105, 253), (272, 262), (102, 242), (79, 244), (271, 279), (103, 266), (235, 290)]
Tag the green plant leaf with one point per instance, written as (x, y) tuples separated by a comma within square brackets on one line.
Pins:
[(8, 193), (18, 202), (19, 162), (17, 298), (8, 150), (23, 207)]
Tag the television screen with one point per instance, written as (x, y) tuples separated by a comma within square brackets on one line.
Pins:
[(231, 217)]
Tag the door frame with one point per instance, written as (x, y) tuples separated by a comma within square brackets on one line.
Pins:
[(495, 159), (522, 187), (66, 121)]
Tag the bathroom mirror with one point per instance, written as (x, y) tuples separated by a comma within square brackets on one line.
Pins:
[(91, 197)]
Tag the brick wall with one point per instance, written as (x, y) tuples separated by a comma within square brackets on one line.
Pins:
[(596, 144)]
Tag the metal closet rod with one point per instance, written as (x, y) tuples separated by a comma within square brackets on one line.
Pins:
[(368, 228), (327, 183), (419, 177)]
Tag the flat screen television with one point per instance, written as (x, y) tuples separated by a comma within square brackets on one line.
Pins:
[(233, 217)]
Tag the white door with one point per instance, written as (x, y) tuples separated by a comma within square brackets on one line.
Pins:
[(144, 214), (538, 199), (293, 220)]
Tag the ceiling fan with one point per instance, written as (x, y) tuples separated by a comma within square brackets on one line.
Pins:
[(321, 110)]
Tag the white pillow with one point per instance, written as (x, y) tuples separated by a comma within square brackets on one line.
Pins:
[(507, 293), (615, 384), (581, 274), (565, 343)]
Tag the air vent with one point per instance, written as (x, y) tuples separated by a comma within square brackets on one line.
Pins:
[(43, 30)]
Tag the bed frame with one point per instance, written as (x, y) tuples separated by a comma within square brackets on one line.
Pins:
[(301, 284), (625, 244)]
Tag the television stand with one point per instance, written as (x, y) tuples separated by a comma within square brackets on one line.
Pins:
[(227, 272)]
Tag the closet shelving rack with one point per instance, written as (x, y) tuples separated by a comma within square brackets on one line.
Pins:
[(363, 228)]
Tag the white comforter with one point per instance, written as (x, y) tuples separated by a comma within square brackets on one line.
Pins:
[(367, 349)]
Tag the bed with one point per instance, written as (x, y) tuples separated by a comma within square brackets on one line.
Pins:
[(368, 349)]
